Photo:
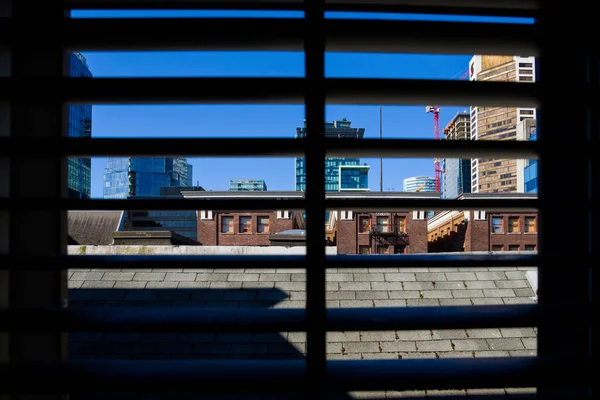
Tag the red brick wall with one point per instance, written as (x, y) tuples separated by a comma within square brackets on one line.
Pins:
[(506, 239), (417, 234), (209, 232), (477, 237), (349, 239), (347, 236)]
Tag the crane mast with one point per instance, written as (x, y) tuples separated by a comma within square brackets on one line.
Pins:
[(435, 110)]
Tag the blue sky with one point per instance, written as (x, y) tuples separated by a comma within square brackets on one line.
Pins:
[(268, 120)]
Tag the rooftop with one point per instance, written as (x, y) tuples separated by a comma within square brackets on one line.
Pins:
[(286, 288), (93, 227)]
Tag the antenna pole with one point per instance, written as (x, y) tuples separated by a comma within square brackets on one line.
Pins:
[(381, 158)]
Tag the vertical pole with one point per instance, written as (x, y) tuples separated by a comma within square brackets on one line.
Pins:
[(314, 55), (381, 158)]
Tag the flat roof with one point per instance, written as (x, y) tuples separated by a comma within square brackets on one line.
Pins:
[(499, 196), (300, 195)]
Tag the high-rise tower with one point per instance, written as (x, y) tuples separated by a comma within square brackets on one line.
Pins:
[(341, 173), (495, 175)]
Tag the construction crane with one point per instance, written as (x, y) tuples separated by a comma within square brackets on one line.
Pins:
[(435, 110), (421, 186)]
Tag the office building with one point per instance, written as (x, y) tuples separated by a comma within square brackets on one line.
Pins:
[(143, 176), (456, 173), (527, 170), (79, 181), (190, 175), (495, 175), (247, 185), (180, 222), (456, 179), (354, 179), (419, 184)]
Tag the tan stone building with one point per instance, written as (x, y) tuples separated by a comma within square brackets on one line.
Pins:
[(493, 175)]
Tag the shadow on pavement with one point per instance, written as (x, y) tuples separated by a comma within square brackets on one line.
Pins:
[(179, 346)]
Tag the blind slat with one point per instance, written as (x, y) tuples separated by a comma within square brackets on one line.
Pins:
[(271, 147), (472, 7), (274, 261), (266, 320), (342, 35), (278, 91), (249, 375), (366, 204)]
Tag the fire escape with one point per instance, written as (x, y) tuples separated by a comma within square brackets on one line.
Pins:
[(388, 235)]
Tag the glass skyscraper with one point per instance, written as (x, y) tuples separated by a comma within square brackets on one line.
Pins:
[(182, 222), (143, 176), (354, 177), (335, 129), (419, 184), (247, 185), (79, 180), (531, 170), (456, 175)]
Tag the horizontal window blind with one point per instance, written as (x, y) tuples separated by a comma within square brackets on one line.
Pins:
[(33, 142)]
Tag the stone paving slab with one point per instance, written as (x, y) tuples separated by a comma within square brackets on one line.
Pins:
[(286, 288)]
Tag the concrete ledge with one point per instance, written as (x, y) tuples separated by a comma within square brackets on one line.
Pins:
[(192, 250)]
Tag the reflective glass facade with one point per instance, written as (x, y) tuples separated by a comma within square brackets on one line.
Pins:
[(531, 170), (335, 129), (143, 176), (247, 185), (354, 177), (421, 183), (190, 180), (182, 222), (79, 181), (456, 178)]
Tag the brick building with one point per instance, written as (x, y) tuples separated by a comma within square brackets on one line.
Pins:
[(353, 232), (480, 230), (397, 232), (244, 228)]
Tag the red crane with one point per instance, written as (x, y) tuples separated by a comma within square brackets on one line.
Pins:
[(436, 136), (435, 110)]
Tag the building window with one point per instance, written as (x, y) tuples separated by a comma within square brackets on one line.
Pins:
[(497, 225), (364, 224), (513, 247), (497, 247), (401, 224), (383, 250), (263, 225), (383, 224), (529, 225), (399, 250), (226, 224), (364, 250), (513, 225), (245, 225), (530, 247)]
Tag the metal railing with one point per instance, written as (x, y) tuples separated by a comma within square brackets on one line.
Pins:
[(33, 217)]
